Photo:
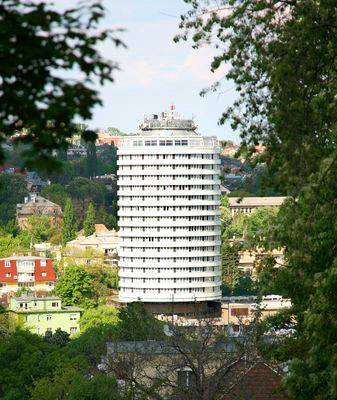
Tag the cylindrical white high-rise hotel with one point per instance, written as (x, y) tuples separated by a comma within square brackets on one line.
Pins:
[(169, 218)]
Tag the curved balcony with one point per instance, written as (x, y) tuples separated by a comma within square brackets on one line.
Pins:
[(153, 223), (154, 213), (167, 161), (164, 201), (128, 296), (134, 172), (169, 284), (126, 232), (153, 263), (168, 243), (167, 253), (168, 273), (167, 192), (168, 180)]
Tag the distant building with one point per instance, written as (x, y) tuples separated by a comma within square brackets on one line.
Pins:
[(37, 205), (42, 314), (233, 377), (230, 150), (34, 273), (256, 381), (240, 310), (106, 138), (34, 182), (248, 205), (104, 241), (249, 259), (169, 217), (10, 169), (224, 190)]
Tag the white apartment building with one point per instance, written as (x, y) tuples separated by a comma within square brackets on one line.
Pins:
[(169, 218)]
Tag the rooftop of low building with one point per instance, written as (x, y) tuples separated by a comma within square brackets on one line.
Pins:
[(256, 201)]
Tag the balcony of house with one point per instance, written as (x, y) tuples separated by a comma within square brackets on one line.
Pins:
[(23, 277)]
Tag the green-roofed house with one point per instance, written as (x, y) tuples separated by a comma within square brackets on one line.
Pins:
[(42, 314)]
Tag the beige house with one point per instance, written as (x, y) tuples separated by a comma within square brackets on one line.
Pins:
[(249, 259), (37, 205), (102, 244), (248, 205)]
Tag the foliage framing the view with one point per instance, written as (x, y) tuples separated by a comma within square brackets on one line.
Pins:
[(45, 45), (281, 56)]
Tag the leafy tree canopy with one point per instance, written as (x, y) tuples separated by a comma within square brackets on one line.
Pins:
[(76, 287), (55, 193), (100, 316), (280, 55), (33, 95), (13, 189), (69, 224), (90, 219)]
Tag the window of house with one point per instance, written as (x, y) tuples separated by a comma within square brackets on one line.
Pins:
[(186, 378), (8, 274), (55, 304), (43, 273), (43, 263), (239, 312), (48, 317), (73, 330), (73, 317), (7, 263)]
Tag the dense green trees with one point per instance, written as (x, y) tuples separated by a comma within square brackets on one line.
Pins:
[(33, 95), (37, 368), (69, 224), (282, 56), (10, 244), (279, 55), (40, 228), (76, 287), (89, 222), (101, 316), (13, 189), (55, 193)]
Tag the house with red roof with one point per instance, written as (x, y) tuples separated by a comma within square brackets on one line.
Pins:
[(34, 273)]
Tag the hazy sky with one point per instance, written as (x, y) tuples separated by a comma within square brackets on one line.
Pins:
[(155, 71)]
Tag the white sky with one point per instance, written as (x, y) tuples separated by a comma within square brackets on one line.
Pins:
[(155, 71)]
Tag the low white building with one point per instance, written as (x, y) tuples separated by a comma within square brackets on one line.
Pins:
[(248, 205), (103, 242)]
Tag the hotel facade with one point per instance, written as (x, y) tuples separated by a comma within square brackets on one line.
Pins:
[(169, 217)]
